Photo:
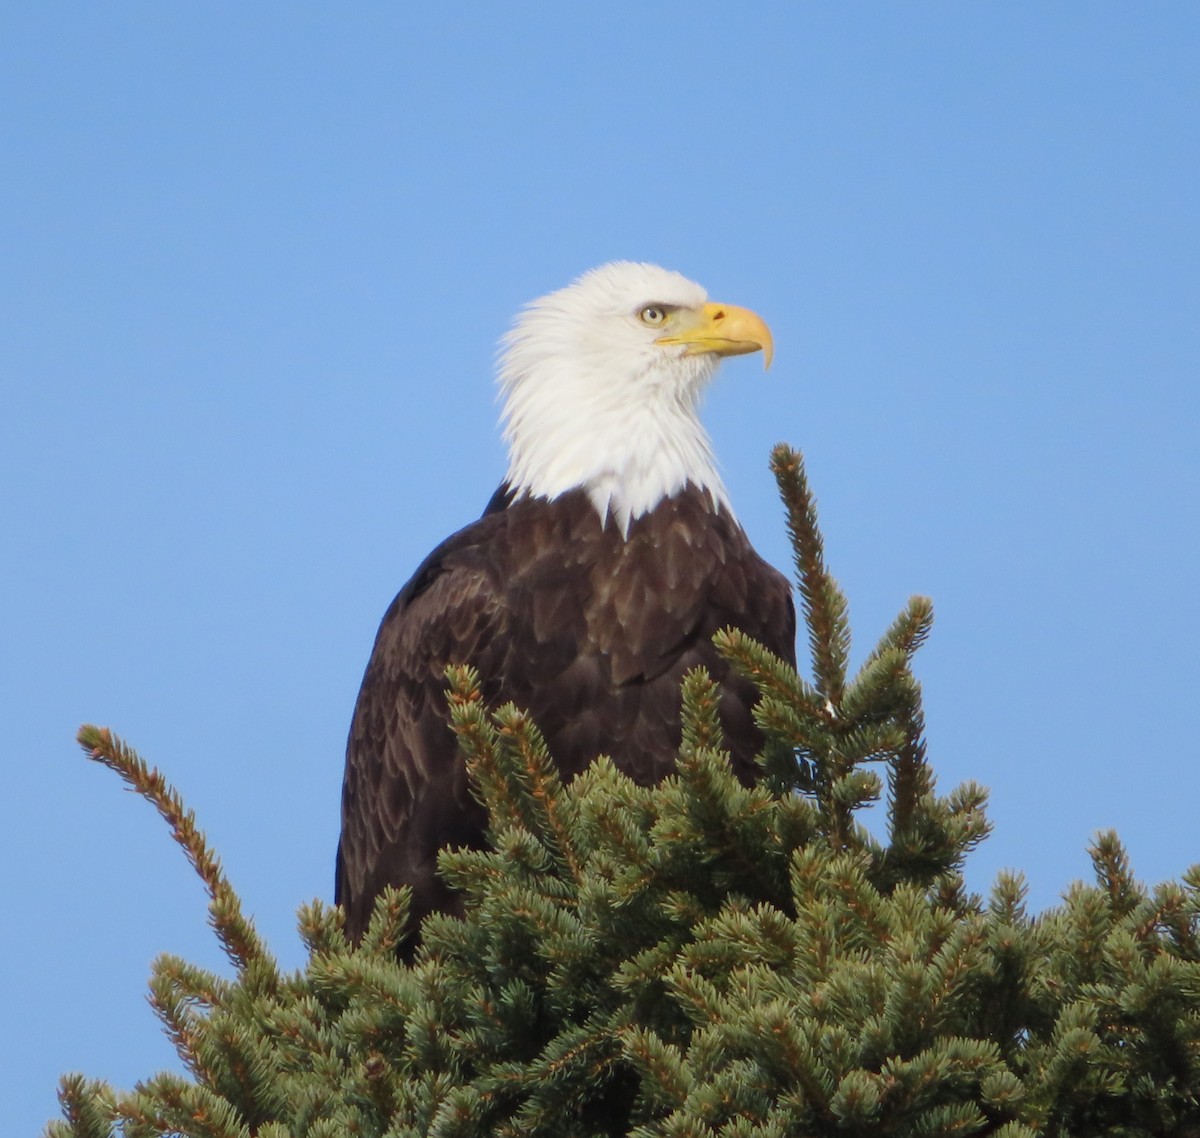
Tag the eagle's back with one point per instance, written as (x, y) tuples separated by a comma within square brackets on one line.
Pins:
[(590, 631)]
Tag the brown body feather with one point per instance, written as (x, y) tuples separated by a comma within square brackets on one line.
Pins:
[(588, 630)]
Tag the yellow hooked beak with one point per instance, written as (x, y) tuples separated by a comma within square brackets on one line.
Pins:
[(725, 330)]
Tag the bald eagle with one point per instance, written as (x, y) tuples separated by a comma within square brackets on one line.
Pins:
[(595, 579)]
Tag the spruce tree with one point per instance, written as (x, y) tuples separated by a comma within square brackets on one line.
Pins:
[(697, 958)]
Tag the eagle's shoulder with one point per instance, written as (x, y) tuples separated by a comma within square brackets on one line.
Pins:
[(452, 610)]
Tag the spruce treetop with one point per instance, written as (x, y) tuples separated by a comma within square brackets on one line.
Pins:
[(699, 957)]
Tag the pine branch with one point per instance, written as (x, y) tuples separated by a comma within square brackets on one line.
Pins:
[(701, 713), (174, 996), (912, 781), (907, 633), (88, 1106), (389, 922), (824, 605), (1111, 864), (541, 782), (234, 930), (322, 928), (771, 675), (480, 744), (169, 1105)]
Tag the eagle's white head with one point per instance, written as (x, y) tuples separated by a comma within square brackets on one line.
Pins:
[(601, 384)]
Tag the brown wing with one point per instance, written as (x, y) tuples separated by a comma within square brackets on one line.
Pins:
[(405, 792), (589, 630)]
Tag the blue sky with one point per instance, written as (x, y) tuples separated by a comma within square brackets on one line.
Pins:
[(254, 262)]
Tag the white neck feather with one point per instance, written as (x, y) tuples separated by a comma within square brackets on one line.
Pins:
[(569, 428), (593, 403)]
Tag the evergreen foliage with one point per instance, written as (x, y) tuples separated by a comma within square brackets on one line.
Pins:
[(698, 958)]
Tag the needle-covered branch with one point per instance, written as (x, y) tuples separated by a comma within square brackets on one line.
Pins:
[(699, 957), (235, 932)]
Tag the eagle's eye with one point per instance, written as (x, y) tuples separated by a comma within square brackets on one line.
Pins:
[(653, 314)]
